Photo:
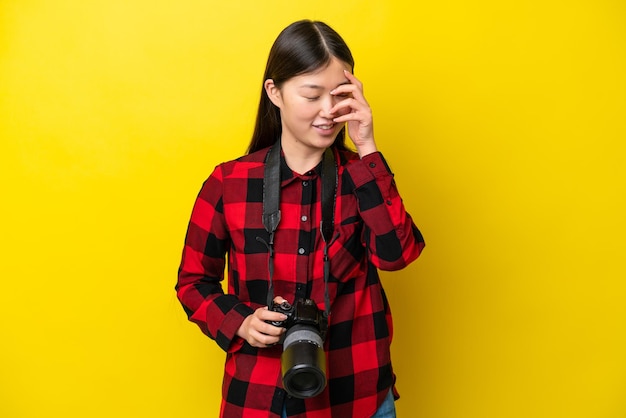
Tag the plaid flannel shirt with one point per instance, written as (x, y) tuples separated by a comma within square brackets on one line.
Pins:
[(374, 232)]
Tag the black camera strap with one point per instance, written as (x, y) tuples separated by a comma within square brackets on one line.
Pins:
[(271, 211)]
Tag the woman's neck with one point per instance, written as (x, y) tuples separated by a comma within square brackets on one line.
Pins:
[(301, 159)]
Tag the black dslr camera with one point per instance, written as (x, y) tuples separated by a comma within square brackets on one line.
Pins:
[(303, 361)]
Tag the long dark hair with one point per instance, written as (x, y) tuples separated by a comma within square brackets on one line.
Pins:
[(301, 47)]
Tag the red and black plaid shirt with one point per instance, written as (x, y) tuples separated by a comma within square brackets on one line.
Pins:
[(375, 232)]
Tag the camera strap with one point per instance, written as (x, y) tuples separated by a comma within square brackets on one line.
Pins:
[(271, 210)]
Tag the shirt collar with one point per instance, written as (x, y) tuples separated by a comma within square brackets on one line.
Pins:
[(287, 175)]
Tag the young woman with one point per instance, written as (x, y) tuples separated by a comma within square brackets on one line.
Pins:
[(309, 97)]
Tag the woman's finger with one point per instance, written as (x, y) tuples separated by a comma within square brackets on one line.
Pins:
[(352, 79), (352, 110)]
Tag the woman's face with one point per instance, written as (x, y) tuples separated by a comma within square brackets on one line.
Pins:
[(305, 102)]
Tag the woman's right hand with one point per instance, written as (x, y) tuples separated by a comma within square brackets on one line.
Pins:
[(259, 333)]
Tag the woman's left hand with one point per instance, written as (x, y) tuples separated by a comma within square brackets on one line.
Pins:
[(357, 113)]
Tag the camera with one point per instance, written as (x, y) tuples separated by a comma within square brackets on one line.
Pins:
[(303, 361)]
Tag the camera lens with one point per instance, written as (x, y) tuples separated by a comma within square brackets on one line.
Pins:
[(303, 362), (304, 381)]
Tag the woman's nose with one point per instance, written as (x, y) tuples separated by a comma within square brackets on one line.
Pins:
[(327, 105)]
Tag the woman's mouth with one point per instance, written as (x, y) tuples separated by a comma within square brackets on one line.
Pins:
[(325, 129)]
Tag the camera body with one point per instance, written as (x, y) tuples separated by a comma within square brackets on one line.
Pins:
[(302, 312), (303, 361)]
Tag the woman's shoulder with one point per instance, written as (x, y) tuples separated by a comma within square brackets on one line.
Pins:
[(346, 156), (245, 163)]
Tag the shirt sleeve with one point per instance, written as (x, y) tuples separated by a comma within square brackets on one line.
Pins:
[(201, 271), (389, 233)]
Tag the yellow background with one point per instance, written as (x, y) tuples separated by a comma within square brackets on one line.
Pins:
[(504, 123)]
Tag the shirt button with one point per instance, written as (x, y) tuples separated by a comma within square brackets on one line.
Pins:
[(305, 183), (389, 202), (372, 165), (304, 218), (301, 251)]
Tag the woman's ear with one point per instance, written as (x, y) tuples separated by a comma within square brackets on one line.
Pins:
[(273, 92)]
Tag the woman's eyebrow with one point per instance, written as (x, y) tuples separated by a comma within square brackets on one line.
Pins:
[(318, 87), (312, 86)]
